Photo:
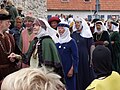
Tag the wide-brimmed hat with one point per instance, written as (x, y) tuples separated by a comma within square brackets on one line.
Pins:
[(54, 18)]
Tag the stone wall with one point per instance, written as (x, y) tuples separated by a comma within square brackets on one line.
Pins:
[(37, 7)]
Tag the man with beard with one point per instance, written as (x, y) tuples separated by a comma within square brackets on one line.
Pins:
[(7, 46)]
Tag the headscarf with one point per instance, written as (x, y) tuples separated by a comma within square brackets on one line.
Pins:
[(115, 26), (86, 32), (102, 61), (107, 23), (46, 29), (65, 37), (103, 27)]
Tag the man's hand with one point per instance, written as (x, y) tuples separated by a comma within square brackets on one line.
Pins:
[(112, 42), (12, 57)]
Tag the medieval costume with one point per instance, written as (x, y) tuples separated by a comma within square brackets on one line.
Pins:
[(92, 25), (85, 43), (25, 40), (68, 52), (106, 78), (53, 21), (101, 37), (42, 49), (26, 35), (7, 46), (115, 40)]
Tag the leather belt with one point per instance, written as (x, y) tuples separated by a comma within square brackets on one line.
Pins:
[(4, 66)]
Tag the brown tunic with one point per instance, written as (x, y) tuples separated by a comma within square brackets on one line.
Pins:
[(7, 46)]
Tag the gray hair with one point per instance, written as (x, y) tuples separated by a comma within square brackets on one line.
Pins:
[(33, 79)]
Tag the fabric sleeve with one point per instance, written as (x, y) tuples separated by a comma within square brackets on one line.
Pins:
[(75, 57), (109, 40), (12, 41), (90, 42), (90, 46), (116, 38), (51, 57), (50, 53), (20, 42), (26, 57)]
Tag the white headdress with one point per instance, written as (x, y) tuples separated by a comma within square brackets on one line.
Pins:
[(49, 31), (103, 27), (86, 32), (115, 26), (65, 37)]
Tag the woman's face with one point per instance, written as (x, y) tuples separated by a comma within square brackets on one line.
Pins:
[(98, 27), (109, 25), (28, 23), (61, 30), (77, 24), (36, 28), (54, 24)]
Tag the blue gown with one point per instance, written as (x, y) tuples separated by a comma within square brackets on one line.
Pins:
[(69, 56), (85, 72)]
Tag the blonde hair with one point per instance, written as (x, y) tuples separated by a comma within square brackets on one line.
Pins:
[(10, 2), (3, 11), (19, 7), (19, 18), (33, 79)]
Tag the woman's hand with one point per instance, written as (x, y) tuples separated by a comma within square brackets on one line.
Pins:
[(70, 73)]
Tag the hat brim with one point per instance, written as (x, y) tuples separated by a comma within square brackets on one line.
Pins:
[(63, 25), (5, 17)]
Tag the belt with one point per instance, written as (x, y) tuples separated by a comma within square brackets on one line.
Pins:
[(4, 66)]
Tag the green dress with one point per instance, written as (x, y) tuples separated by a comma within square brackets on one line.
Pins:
[(115, 36), (43, 51)]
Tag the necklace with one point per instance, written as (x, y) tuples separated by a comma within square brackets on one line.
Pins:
[(36, 50), (98, 37), (10, 45)]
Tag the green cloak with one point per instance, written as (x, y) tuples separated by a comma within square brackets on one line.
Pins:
[(115, 36)]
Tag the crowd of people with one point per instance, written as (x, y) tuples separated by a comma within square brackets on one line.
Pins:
[(58, 53)]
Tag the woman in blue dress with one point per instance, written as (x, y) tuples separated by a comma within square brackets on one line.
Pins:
[(68, 52), (85, 43)]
